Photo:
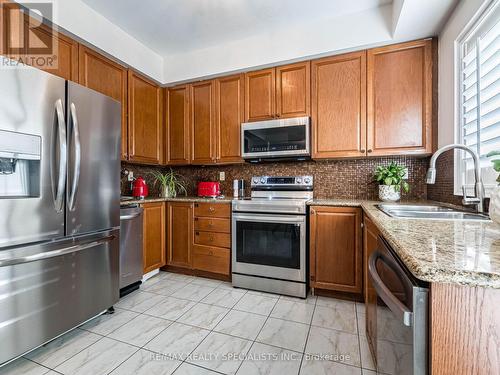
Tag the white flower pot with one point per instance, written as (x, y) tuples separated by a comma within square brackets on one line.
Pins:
[(388, 193), (495, 205)]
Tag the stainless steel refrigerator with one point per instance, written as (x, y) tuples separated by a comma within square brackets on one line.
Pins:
[(59, 207)]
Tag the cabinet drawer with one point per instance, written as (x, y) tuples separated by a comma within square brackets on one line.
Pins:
[(212, 225), (212, 210), (212, 239), (211, 259)]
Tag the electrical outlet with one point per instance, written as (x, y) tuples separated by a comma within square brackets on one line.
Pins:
[(405, 177), (222, 176), (130, 176)]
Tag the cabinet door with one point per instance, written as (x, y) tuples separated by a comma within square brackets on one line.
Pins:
[(154, 236), (229, 98), (370, 241), (400, 85), (260, 98), (335, 248), (107, 77), (293, 90), (65, 49), (180, 234), (145, 137), (202, 123), (12, 29), (339, 106), (178, 125)]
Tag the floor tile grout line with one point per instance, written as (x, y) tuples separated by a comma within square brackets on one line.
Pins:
[(258, 333), (307, 338)]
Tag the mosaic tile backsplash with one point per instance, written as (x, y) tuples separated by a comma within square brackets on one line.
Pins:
[(350, 179)]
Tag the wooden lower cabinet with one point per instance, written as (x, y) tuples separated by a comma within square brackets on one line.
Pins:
[(212, 238), (370, 241), (153, 236), (179, 234), (335, 249)]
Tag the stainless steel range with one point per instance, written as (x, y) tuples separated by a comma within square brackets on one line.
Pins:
[(269, 236)]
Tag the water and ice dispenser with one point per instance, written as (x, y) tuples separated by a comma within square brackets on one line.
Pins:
[(20, 157)]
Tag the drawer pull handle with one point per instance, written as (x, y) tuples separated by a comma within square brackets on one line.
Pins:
[(212, 238)]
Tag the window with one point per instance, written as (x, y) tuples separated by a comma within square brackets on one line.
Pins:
[(479, 98)]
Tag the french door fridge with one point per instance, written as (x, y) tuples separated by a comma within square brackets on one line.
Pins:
[(59, 207)]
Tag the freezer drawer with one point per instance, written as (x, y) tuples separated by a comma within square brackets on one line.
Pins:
[(47, 289)]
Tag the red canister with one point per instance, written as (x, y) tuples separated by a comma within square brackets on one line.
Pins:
[(140, 188)]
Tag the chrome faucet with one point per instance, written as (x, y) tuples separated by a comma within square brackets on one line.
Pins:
[(478, 187)]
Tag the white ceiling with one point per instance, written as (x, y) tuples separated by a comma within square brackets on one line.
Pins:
[(175, 41), (174, 26)]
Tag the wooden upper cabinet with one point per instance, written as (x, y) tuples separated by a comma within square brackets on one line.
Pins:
[(154, 225), (107, 77), (178, 149), (335, 249), (229, 98), (12, 29), (400, 99), (203, 122), (145, 137), (339, 106), (179, 234), (293, 90), (260, 98), (65, 49)]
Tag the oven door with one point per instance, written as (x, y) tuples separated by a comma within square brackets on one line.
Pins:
[(269, 245)]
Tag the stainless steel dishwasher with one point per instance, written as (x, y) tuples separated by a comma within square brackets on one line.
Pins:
[(130, 248), (400, 340)]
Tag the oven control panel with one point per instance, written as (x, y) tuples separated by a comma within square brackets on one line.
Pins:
[(282, 181)]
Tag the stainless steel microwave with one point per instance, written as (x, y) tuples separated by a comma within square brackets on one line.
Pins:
[(276, 139)]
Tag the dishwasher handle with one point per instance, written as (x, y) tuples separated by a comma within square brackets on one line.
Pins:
[(392, 302), (130, 216)]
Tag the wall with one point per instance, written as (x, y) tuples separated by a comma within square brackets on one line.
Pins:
[(443, 189), (332, 179), (447, 86)]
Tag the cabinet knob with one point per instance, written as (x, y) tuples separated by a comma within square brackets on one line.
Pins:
[(196, 204), (195, 219), (362, 151), (211, 209), (197, 233), (370, 150), (277, 116), (313, 212), (211, 252), (212, 238)]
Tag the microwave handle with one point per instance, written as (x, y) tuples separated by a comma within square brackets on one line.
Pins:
[(394, 304)]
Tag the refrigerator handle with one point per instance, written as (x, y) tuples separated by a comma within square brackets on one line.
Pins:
[(77, 161), (58, 188)]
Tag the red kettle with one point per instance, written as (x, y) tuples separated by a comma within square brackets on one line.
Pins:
[(139, 188)]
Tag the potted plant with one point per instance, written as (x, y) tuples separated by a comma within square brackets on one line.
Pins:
[(170, 182), (495, 194), (390, 179)]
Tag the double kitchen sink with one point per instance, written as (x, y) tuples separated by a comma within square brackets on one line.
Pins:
[(429, 212)]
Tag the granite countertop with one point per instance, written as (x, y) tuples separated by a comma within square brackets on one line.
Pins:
[(443, 251), (176, 199)]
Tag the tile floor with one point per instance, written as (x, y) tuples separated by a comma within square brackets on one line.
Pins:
[(185, 325)]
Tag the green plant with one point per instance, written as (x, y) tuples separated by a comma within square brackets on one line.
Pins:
[(496, 162), (392, 175), (170, 181)]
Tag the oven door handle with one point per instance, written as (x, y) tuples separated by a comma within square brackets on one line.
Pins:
[(270, 218), (394, 304)]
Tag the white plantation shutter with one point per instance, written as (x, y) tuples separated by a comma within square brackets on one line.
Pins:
[(480, 96)]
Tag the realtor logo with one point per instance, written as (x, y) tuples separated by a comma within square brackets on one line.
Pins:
[(26, 40)]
